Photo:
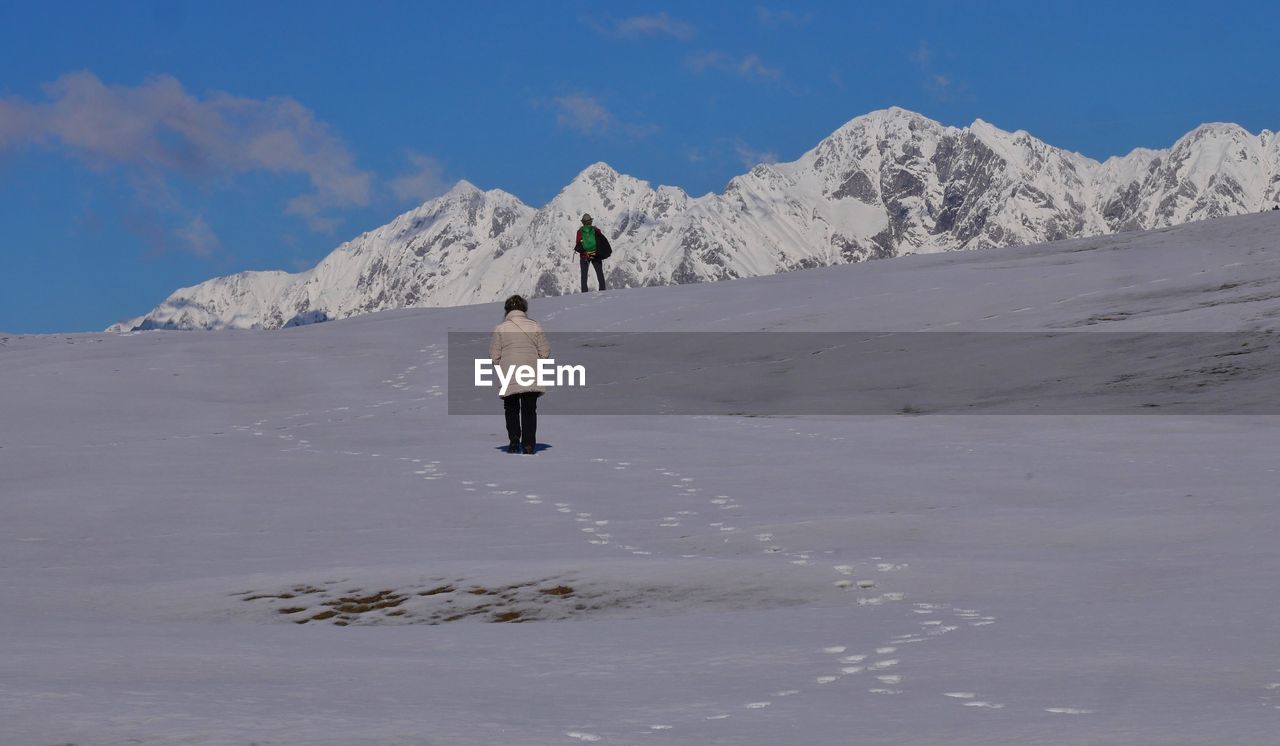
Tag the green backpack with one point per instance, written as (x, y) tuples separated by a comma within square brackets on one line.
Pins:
[(589, 239)]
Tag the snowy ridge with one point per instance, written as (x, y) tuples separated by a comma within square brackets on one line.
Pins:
[(284, 537), (885, 184)]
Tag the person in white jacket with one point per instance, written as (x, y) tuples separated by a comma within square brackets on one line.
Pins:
[(517, 341)]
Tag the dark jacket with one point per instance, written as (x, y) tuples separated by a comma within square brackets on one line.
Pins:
[(603, 249)]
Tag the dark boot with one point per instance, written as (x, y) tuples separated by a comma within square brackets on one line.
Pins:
[(529, 421), (529, 450), (514, 447)]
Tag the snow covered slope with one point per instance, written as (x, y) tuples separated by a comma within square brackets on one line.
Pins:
[(888, 183), (188, 521)]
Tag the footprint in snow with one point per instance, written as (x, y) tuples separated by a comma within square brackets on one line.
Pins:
[(971, 701), (889, 681)]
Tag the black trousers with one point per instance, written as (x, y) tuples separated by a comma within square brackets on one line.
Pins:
[(599, 265), (522, 417)]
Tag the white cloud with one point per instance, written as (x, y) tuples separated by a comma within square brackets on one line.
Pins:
[(156, 215), (922, 54), (18, 125), (582, 113), (775, 18), (660, 24), (750, 66), (750, 157), (198, 238), (158, 128), (939, 86), (587, 115), (423, 180)]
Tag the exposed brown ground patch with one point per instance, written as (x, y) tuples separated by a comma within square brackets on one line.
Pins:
[(437, 601)]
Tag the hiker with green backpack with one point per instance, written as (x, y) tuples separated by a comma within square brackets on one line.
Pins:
[(593, 248)]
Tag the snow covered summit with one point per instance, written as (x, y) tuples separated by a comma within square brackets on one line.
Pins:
[(888, 183)]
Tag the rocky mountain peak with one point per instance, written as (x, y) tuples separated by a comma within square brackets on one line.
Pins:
[(886, 183)]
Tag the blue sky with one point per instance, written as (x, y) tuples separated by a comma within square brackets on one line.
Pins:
[(146, 146)]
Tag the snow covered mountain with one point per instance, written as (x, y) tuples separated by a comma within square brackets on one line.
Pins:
[(889, 183)]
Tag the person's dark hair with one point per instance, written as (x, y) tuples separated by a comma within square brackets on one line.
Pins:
[(515, 303)]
